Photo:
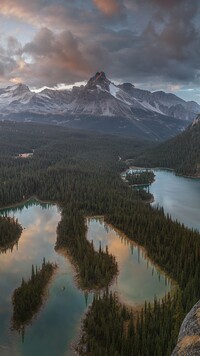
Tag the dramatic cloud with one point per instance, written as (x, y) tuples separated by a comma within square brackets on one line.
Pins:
[(55, 57), (55, 14), (108, 7), (153, 43)]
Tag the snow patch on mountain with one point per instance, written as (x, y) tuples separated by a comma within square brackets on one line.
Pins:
[(99, 97), (148, 106), (113, 90)]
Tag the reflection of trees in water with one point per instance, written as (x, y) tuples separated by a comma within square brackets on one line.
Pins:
[(27, 204), (9, 247), (10, 232)]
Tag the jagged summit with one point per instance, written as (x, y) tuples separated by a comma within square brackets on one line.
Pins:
[(104, 105), (19, 86), (98, 80)]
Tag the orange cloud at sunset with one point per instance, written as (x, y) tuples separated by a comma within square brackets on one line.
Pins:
[(56, 56), (108, 7), (12, 8), (116, 36), (35, 13)]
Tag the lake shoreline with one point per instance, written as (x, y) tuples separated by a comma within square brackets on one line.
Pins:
[(148, 201), (142, 248), (166, 169), (33, 197), (63, 252)]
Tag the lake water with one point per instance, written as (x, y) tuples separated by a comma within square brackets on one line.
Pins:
[(57, 324), (54, 328), (179, 196), (138, 279)]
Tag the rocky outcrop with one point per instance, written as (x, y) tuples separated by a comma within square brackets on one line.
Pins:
[(189, 336)]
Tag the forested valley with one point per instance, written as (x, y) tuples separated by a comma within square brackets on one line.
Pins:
[(181, 153), (81, 172)]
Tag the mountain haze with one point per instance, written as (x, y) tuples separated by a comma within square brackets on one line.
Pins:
[(101, 105)]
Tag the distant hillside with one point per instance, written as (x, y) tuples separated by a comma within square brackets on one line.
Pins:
[(181, 153)]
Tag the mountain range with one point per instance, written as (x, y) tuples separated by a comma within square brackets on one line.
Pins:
[(101, 105)]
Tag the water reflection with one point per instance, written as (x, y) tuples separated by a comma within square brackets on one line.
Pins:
[(55, 327), (138, 278), (64, 307), (9, 247)]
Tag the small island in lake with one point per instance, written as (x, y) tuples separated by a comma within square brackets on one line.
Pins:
[(28, 298), (140, 177), (141, 180), (10, 232)]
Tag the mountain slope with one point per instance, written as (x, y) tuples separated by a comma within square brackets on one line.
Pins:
[(101, 105), (164, 103), (181, 153)]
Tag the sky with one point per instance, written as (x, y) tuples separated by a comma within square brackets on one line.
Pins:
[(153, 44)]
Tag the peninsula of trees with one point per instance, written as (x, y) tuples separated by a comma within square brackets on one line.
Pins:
[(10, 232)]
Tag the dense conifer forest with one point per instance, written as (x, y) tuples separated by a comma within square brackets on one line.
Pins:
[(81, 172), (10, 232), (112, 329), (181, 153), (95, 269), (28, 298), (134, 178)]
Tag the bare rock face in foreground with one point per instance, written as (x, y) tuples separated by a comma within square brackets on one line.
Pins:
[(189, 336)]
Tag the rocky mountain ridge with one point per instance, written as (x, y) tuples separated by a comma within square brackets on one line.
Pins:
[(101, 103)]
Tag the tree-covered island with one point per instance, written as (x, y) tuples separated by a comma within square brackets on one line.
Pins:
[(28, 298), (140, 177)]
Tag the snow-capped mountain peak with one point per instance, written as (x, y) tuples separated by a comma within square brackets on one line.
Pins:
[(100, 97), (99, 80), (18, 88)]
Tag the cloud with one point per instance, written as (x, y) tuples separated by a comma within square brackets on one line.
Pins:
[(56, 58), (168, 3), (108, 7), (148, 42), (54, 14), (7, 64), (19, 9)]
